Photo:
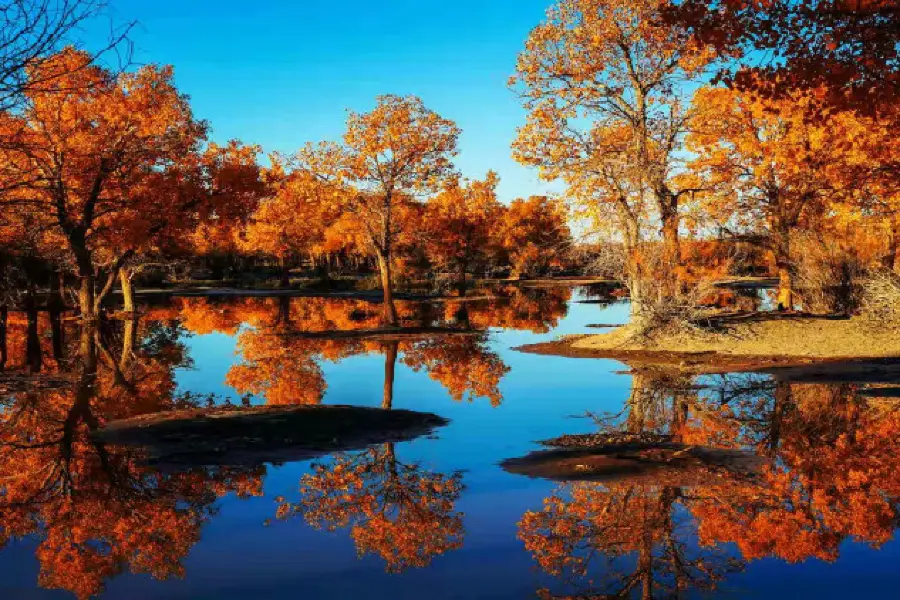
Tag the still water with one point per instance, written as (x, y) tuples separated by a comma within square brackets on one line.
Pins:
[(436, 517)]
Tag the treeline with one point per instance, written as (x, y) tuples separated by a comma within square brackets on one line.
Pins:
[(684, 132), (105, 173)]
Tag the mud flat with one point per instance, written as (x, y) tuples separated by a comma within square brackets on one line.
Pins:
[(616, 458), (253, 435)]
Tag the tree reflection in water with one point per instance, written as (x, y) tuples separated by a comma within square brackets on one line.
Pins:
[(96, 510), (399, 511), (829, 475)]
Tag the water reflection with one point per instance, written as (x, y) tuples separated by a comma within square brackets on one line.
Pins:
[(96, 510), (399, 511), (826, 472), (829, 475)]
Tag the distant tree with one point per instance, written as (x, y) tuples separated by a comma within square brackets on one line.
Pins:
[(458, 224), (293, 221), (535, 235)]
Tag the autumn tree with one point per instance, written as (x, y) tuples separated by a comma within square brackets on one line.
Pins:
[(458, 225), (395, 152), (108, 165), (534, 234), (293, 221), (846, 48), (771, 168), (603, 83)]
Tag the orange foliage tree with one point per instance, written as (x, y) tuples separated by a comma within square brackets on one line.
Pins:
[(771, 169), (602, 82), (535, 235), (849, 48), (393, 153), (294, 220), (458, 225), (108, 166)]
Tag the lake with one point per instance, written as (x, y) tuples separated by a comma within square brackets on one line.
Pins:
[(438, 516)]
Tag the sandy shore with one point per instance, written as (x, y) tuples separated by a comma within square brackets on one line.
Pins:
[(746, 343)]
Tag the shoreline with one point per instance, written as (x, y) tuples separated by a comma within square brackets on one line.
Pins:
[(801, 346)]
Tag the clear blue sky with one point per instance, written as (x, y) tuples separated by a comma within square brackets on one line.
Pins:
[(280, 73)]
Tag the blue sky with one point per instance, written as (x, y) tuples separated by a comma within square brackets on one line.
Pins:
[(280, 73)]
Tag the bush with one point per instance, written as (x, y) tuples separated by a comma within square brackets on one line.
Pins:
[(828, 276), (881, 298)]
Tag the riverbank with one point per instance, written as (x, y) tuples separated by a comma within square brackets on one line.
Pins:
[(764, 342)]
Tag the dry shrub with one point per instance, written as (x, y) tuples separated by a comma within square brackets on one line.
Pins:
[(880, 304), (663, 313), (828, 276)]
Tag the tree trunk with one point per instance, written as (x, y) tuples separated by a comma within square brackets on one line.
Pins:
[(461, 282), (55, 306), (4, 317), (785, 270), (390, 364), (384, 268), (671, 252), (285, 272), (32, 337), (892, 259), (86, 296), (127, 290), (785, 289), (635, 282)]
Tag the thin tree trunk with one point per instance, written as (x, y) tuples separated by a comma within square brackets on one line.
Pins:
[(461, 283), (285, 272), (892, 260), (785, 288), (127, 290), (32, 337), (86, 296), (390, 311), (55, 306)]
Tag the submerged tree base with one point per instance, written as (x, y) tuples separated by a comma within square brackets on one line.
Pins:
[(811, 346), (250, 436)]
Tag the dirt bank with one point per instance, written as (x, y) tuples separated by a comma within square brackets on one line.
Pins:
[(809, 345)]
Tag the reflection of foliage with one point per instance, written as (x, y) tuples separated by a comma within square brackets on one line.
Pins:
[(282, 365), (833, 476), (97, 510), (462, 364), (829, 475), (398, 511), (638, 530), (536, 310)]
